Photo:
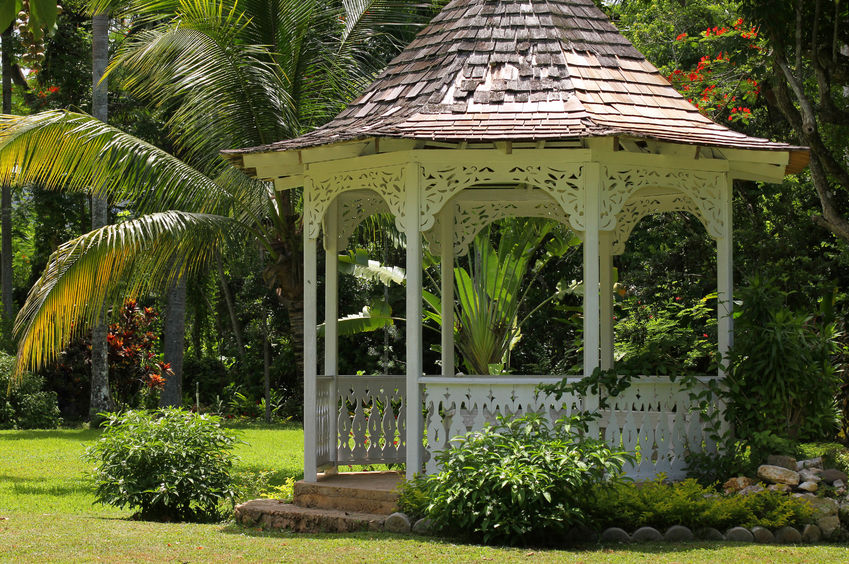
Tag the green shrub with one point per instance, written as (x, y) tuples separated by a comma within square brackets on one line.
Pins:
[(660, 505), (521, 481), (834, 455), (172, 465), (25, 405)]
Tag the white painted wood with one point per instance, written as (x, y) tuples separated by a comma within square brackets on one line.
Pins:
[(725, 277), (446, 272), (414, 319), (653, 416), (310, 360), (331, 312), (370, 419), (591, 272), (606, 297)]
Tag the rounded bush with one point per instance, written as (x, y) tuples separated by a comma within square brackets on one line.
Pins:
[(171, 465), (521, 481)]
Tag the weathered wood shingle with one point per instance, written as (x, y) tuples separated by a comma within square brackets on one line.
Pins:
[(521, 70)]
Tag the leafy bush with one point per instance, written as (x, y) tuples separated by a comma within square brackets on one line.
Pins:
[(25, 405), (172, 465), (834, 455), (781, 378), (660, 505), (520, 481)]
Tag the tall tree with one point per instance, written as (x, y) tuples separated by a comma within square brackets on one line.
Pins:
[(100, 398), (6, 277), (809, 43), (227, 79)]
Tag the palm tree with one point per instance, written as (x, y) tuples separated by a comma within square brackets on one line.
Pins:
[(227, 75)]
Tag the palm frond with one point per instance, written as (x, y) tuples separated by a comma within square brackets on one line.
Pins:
[(219, 91), (89, 274), (76, 152)]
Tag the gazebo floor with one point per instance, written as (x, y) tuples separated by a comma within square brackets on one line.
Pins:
[(343, 502)]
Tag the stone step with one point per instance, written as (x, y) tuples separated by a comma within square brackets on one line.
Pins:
[(353, 492), (274, 514)]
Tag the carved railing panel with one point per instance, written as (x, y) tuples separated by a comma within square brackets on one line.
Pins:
[(370, 419), (652, 418)]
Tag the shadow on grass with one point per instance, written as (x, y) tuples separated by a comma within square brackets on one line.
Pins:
[(79, 435)]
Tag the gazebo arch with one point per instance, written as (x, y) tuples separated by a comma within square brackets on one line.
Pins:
[(503, 107)]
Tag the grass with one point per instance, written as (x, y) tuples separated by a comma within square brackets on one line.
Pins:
[(47, 515)]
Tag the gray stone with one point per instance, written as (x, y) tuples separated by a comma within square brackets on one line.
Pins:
[(828, 525), (397, 523), (808, 486), (811, 533), (615, 534), (808, 475), (710, 534), (809, 463), (780, 460), (831, 474), (423, 526), (839, 484), (678, 533), (788, 535), (739, 534), (754, 488), (737, 484), (646, 534), (823, 506), (778, 475), (762, 535)]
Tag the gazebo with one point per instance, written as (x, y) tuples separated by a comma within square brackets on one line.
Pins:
[(505, 108)]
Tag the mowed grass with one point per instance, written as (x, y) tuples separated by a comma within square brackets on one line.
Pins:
[(47, 515)]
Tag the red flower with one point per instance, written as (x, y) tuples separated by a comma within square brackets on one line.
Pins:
[(681, 37)]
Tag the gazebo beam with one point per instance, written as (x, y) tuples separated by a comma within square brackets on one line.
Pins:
[(606, 297), (310, 360), (446, 270), (725, 276), (591, 308)]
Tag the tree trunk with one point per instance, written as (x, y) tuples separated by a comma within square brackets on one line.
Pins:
[(6, 277), (266, 369), (100, 400), (173, 347), (231, 308)]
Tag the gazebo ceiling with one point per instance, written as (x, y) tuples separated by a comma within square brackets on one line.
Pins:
[(506, 70)]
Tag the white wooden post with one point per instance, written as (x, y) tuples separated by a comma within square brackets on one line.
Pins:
[(725, 276), (446, 270), (606, 291), (310, 358), (414, 321), (331, 316), (592, 189)]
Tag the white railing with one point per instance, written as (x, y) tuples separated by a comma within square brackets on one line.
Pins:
[(651, 418), (369, 418)]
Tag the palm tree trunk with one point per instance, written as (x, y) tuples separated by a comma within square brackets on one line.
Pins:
[(231, 308), (100, 400), (6, 197), (173, 347)]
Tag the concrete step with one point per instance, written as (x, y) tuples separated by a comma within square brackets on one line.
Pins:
[(274, 514), (354, 492)]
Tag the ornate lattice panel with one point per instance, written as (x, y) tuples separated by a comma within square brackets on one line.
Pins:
[(652, 417), (703, 188), (563, 183), (471, 217), (370, 419), (387, 182), (354, 207), (638, 207), (323, 413)]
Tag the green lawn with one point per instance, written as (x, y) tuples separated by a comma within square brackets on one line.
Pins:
[(46, 515)]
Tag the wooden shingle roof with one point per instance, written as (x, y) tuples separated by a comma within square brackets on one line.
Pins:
[(521, 70)]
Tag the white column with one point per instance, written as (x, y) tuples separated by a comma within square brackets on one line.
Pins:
[(592, 187), (725, 276), (310, 359), (414, 321), (446, 270), (331, 316), (606, 296)]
